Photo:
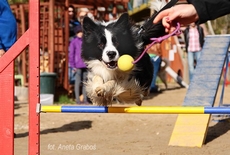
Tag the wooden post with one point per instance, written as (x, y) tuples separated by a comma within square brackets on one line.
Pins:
[(34, 80), (23, 28), (66, 81), (51, 36), (7, 109), (30, 37)]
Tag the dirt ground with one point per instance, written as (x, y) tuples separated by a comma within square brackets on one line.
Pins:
[(120, 134)]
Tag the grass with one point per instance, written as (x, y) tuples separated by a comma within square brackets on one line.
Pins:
[(64, 99)]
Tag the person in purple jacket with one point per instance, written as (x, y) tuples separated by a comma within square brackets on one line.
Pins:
[(78, 66), (8, 27)]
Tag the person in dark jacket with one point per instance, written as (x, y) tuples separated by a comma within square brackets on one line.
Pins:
[(194, 41), (77, 65), (73, 21), (8, 27), (199, 11)]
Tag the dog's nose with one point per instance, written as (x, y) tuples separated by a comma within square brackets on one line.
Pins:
[(111, 54)]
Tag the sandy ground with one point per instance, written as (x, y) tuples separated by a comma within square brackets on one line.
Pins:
[(119, 134)]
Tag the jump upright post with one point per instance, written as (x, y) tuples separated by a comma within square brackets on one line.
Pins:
[(29, 38)]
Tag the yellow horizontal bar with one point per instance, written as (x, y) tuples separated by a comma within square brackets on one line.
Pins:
[(50, 108), (116, 109), (157, 110)]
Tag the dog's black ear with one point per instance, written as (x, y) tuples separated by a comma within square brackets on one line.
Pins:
[(122, 22), (88, 25)]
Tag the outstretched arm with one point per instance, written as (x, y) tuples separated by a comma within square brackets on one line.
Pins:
[(197, 11), (184, 14)]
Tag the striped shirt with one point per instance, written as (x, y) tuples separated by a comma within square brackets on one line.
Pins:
[(194, 44)]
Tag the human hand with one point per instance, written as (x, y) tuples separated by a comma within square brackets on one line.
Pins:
[(182, 13), (2, 51)]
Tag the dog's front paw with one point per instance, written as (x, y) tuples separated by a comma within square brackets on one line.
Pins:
[(100, 91)]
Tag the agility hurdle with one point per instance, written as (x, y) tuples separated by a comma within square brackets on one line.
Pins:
[(29, 38), (133, 110), (190, 130)]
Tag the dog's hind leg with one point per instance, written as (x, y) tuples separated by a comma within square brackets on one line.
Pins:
[(163, 77), (130, 96), (139, 102)]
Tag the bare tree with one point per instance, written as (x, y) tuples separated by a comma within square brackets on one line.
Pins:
[(221, 25)]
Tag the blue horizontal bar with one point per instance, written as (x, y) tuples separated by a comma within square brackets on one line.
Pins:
[(216, 110), (84, 109)]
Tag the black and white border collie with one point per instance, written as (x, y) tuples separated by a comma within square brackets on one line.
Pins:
[(103, 44)]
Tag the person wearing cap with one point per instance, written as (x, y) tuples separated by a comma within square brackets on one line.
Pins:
[(77, 65)]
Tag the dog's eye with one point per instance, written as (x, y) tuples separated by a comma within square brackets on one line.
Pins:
[(114, 40), (101, 45)]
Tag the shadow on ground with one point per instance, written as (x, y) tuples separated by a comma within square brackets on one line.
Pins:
[(219, 129), (152, 95), (73, 126)]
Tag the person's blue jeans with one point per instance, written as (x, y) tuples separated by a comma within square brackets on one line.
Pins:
[(191, 57), (156, 67), (71, 75), (80, 77)]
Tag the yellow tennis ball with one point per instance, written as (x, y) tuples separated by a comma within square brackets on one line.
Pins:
[(125, 63)]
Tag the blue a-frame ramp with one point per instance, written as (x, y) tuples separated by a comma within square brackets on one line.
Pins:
[(190, 130)]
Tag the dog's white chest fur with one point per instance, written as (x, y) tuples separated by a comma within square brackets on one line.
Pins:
[(105, 85)]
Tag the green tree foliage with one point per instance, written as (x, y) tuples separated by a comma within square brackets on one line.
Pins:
[(17, 1)]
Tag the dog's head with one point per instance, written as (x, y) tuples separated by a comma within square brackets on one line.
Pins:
[(106, 42)]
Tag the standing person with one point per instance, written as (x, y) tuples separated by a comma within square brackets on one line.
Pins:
[(77, 65), (8, 27), (194, 41), (73, 21), (84, 12), (155, 54)]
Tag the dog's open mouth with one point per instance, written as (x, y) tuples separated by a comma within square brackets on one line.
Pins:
[(111, 64)]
